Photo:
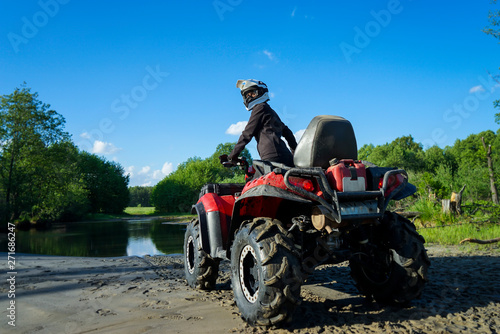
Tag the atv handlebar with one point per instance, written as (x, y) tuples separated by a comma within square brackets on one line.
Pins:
[(240, 162)]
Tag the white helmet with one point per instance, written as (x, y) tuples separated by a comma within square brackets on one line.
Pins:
[(252, 85)]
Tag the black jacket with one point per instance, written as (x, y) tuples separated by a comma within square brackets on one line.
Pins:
[(267, 128)]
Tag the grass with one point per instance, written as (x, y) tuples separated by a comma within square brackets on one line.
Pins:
[(134, 211), (151, 211), (452, 235), (140, 211)]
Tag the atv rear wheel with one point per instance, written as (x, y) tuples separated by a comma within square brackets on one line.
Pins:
[(397, 271), (200, 268), (265, 273)]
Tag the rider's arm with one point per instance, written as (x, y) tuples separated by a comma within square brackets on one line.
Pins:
[(251, 129), (290, 138)]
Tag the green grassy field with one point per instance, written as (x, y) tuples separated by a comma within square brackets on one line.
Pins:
[(452, 235), (151, 211), (139, 211)]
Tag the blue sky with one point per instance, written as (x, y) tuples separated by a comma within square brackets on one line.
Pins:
[(151, 83)]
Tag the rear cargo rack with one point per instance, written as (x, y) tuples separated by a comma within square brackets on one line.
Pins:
[(333, 199)]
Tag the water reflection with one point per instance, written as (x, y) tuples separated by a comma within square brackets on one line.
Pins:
[(100, 239)]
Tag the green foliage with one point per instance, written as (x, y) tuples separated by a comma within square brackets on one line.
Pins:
[(452, 235), (179, 191), (494, 30), (428, 210), (365, 151), (483, 209), (438, 172), (494, 21), (171, 195), (33, 146), (403, 152), (140, 196), (43, 176), (105, 182)]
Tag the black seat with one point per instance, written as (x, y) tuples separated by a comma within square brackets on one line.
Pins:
[(326, 138), (263, 167)]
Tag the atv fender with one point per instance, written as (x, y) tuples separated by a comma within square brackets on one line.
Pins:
[(214, 214), (261, 201)]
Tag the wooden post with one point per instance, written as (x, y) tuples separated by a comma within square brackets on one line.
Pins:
[(494, 193), (455, 203), (446, 205), (459, 200)]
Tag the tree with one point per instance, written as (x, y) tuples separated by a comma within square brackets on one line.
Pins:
[(140, 196), (29, 130), (494, 21), (403, 152), (494, 30), (106, 183), (469, 152), (494, 193), (59, 188), (365, 151)]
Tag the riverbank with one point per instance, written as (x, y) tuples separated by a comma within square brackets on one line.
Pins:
[(128, 295)]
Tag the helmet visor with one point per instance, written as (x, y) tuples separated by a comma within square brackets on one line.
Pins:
[(250, 93)]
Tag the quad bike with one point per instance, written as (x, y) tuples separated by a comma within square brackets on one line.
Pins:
[(285, 221)]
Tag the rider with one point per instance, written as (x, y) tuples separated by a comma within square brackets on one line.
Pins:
[(265, 125)]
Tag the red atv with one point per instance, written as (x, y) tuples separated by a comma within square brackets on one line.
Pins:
[(285, 221)]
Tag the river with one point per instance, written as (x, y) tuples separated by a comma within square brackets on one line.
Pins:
[(137, 237)]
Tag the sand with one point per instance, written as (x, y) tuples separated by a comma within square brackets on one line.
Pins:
[(55, 294)]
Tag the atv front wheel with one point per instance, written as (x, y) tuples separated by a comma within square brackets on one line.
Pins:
[(265, 273), (397, 270), (200, 268)]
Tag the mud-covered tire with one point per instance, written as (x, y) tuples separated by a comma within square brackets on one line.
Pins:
[(265, 273), (398, 271), (200, 268)]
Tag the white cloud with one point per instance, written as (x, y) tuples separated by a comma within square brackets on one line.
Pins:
[(272, 95), (269, 54), (236, 129), (105, 148), (475, 89), (144, 170), (167, 168), (86, 135), (299, 134), (130, 171), (146, 176), (158, 174), (293, 12)]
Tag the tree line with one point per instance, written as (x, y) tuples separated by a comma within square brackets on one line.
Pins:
[(44, 177), (437, 172), (178, 191)]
